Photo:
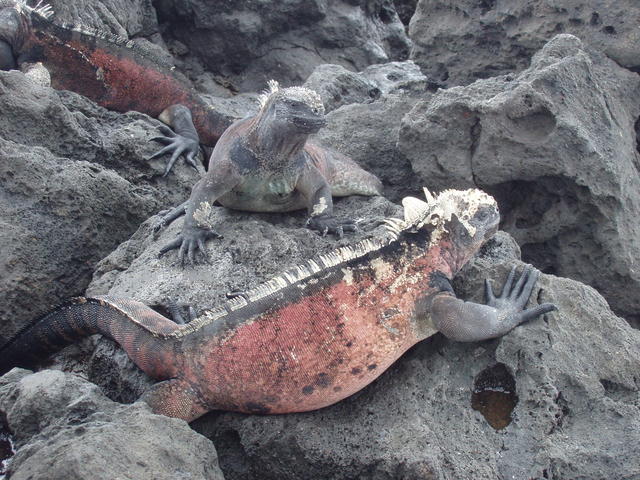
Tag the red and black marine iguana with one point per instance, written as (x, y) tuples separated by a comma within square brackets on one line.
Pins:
[(113, 72), (313, 335), (261, 164)]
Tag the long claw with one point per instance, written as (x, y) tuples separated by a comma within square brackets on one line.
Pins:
[(177, 152), (161, 152), (203, 250), (488, 292), (524, 276), (191, 160), (165, 140), (170, 246), (168, 132), (528, 287), (182, 253), (506, 289), (192, 252), (534, 312)]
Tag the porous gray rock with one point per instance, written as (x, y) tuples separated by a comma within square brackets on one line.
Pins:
[(125, 18), (459, 42), (338, 86), (572, 376), (66, 429), (63, 206), (251, 42), (368, 133), (556, 145)]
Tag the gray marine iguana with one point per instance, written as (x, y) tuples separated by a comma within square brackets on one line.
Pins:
[(266, 163), (315, 334)]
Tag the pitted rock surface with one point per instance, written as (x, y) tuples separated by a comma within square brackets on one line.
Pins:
[(556, 145), (459, 42), (66, 429)]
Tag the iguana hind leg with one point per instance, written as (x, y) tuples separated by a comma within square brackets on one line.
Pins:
[(175, 398)]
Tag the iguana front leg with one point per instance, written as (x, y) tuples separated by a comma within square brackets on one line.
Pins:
[(472, 322), (182, 140), (198, 225), (317, 191)]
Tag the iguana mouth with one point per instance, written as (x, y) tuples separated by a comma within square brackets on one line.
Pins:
[(309, 124)]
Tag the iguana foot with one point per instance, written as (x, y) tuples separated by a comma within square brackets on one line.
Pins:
[(513, 298), (176, 145), (167, 216), (176, 311), (190, 241), (329, 224)]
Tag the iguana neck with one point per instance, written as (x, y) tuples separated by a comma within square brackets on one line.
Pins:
[(273, 142)]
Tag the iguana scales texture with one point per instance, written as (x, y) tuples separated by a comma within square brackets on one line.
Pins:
[(317, 333)]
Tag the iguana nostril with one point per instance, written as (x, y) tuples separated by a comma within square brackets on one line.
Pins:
[(494, 395)]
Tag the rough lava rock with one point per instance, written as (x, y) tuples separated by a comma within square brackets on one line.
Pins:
[(338, 86), (66, 429), (556, 145), (249, 42), (572, 375), (459, 42), (63, 206), (368, 130)]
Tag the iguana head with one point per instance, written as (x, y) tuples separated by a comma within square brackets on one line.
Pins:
[(293, 108), (459, 221)]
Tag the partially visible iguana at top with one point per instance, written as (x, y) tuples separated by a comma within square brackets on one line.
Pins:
[(313, 335), (111, 71)]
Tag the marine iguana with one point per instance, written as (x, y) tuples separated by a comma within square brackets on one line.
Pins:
[(266, 163), (112, 71), (315, 334)]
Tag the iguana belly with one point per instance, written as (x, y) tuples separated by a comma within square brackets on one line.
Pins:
[(311, 352)]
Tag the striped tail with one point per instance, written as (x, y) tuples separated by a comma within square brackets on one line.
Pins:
[(139, 330)]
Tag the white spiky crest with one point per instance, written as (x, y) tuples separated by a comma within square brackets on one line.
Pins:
[(436, 211), (42, 9), (303, 94)]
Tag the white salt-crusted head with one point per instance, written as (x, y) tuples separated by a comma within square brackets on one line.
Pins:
[(42, 9), (437, 211), (299, 94)]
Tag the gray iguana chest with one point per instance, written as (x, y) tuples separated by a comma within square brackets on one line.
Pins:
[(267, 185)]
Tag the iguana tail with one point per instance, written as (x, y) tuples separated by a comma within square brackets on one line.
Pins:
[(138, 329)]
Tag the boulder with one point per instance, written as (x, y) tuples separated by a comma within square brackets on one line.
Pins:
[(66, 429), (249, 43), (459, 42), (556, 145), (75, 184)]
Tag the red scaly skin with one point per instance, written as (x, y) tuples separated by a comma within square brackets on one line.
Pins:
[(320, 349), (114, 76)]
